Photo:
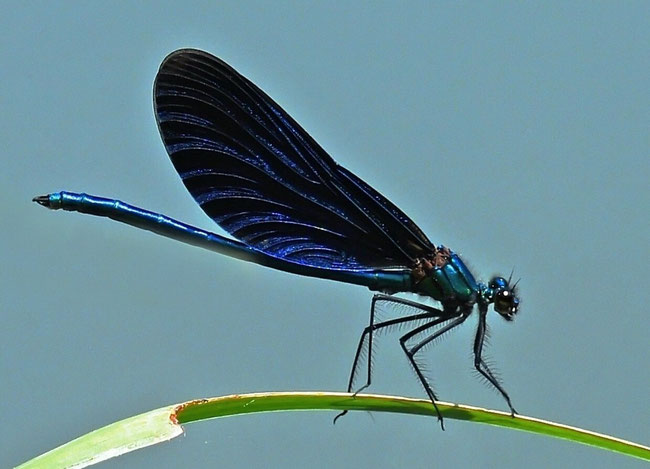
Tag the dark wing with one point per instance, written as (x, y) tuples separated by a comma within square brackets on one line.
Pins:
[(264, 180)]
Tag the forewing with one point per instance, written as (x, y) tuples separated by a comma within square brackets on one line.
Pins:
[(264, 180)]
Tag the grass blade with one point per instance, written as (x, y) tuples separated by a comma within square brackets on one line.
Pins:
[(165, 423)]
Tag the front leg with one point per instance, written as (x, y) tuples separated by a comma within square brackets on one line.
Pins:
[(480, 364)]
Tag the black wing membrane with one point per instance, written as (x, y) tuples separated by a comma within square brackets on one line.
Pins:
[(263, 179)]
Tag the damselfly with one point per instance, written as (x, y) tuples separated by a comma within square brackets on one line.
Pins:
[(290, 206)]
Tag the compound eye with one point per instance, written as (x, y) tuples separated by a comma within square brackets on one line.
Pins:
[(506, 304), (498, 283)]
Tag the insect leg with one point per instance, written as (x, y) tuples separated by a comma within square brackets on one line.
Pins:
[(480, 364), (428, 313), (411, 352)]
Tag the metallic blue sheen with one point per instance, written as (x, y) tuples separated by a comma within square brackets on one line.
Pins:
[(465, 286), (379, 280)]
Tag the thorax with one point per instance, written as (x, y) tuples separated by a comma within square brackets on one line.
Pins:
[(444, 277)]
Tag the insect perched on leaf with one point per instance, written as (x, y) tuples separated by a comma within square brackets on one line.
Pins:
[(291, 207)]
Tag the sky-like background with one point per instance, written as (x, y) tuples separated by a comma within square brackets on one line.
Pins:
[(514, 132)]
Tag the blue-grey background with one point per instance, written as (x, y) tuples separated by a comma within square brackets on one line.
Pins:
[(517, 134)]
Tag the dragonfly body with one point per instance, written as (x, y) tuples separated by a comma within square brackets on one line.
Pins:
[(291, 207), (442, 276)]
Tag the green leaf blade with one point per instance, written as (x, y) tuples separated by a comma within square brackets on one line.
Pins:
[(165, 423)]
